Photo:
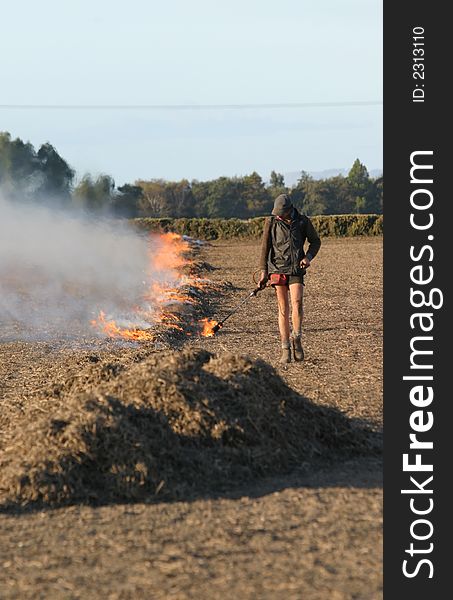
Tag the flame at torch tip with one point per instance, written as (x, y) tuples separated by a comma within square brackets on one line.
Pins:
[(209, 327)]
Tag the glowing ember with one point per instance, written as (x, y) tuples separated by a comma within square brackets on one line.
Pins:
[(112, 330), (208, 327)]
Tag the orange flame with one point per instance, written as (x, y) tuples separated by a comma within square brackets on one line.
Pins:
[(160, 293), (167, 285), (113, 331), (197, 282), (170, 254), (170, 320), (208, 327)]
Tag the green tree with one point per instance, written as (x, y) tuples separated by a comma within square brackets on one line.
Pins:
[(277, 180), (256, 199), (317, 200), (375, 196), (299, 191), (5, 158), (277, 185), (95, 195), (126, 202), (179, 197), (322, 196), (359, 186), (19, 167), (166, 198), (358, 176), (200, 194), (57, 174), (153, 202), (339, 199), (27, 174), (224, 199)]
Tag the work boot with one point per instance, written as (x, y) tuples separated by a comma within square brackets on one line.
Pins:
[(297, 349), (286, 354)]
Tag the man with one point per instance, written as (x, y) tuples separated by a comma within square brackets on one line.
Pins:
[(284, 262)]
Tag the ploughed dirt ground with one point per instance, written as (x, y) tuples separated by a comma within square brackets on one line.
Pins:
[(258, 530)]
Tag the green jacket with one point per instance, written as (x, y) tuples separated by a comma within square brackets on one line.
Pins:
[(282, 246)]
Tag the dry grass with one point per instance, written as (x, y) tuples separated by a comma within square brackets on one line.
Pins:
[(173, 425), (342, 332), (313, 534)]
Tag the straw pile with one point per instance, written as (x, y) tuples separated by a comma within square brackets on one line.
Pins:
[(175, 425)]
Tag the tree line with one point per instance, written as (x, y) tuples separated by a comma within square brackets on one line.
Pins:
[(44, 176)]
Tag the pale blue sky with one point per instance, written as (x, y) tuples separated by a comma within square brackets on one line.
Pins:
[(195, 52)]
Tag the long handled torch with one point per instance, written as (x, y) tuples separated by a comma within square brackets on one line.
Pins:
[(216, 327)]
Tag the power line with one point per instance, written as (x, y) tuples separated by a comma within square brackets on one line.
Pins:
[(277, 105)]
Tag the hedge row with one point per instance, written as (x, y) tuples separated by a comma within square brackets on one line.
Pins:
[(213, 229)]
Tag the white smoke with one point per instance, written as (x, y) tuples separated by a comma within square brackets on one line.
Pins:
[(58, 270)]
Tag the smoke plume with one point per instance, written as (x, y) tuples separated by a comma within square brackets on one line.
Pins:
[(58, 270)]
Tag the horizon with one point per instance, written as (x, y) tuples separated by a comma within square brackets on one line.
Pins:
[(290, 177)]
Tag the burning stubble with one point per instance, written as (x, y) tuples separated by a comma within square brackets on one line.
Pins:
[(59, 272)]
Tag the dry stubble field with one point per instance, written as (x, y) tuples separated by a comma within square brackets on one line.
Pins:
[(314, 533)]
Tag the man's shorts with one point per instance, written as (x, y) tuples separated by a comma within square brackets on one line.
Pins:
[(296, 279), (290, 279)]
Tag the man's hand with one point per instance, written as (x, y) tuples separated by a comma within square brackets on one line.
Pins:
[(263, 280), (305, 262)]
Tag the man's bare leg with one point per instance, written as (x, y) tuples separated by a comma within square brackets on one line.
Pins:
[(283, 320), (297, 303)]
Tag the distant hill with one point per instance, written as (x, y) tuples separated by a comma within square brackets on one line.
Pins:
[(291, 178)]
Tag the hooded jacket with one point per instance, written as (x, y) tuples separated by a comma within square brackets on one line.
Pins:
[(282, 246)]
